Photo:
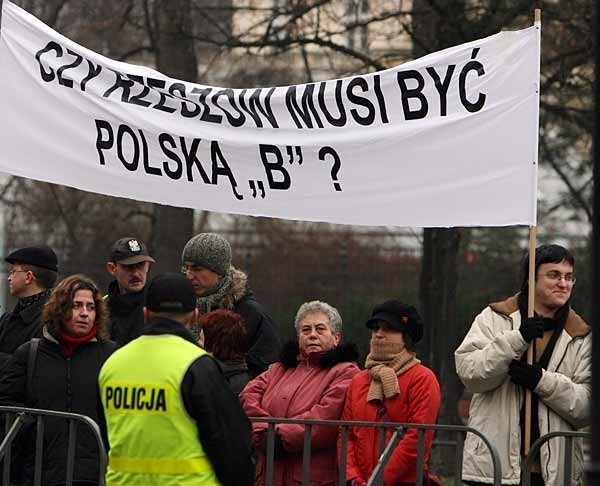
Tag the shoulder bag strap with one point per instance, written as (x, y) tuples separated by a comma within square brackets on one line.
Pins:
[(31, 361)]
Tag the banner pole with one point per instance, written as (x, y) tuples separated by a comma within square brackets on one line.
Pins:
[(530, 313), (531, 292)]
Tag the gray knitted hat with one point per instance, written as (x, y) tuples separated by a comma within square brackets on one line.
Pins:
[(208, 250)]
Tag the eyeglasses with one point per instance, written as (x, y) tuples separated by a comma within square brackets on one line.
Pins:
[(13, 271), (191, 268), (555, 276)]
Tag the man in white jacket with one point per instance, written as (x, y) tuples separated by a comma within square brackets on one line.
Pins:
[(491, 363)]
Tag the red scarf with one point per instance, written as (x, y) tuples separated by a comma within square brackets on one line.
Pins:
[(69, 343)]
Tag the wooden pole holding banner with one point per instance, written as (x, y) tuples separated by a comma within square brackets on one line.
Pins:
[(530, 313), (531, 298)]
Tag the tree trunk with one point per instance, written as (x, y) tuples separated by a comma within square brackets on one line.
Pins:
[(439, 265), (437, 295), (175, 57)]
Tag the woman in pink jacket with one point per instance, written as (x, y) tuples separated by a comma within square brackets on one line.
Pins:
[(309, 382)]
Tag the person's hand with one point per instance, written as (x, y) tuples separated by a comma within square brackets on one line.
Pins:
[(259, 434), (531, 328), (524, 374)]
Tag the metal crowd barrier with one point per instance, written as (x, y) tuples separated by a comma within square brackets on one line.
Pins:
[(568, 459), (385, 451), (12, 428)]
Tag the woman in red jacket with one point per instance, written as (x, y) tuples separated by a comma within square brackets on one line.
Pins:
[(395, 387), (309, 382)]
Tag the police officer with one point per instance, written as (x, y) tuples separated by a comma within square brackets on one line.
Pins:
[(171, 418), (32, 274), (129, 263)]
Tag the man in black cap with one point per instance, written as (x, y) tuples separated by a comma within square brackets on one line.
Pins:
[(129, 263), (32, 274), (171, 418)]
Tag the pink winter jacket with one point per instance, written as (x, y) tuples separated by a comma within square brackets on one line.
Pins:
[(302, 388)]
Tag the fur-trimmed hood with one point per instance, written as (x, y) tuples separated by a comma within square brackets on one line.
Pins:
[(574, 325), (239, 288), (342, 353)]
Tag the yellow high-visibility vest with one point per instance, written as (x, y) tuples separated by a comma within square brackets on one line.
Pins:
[(153, 441)]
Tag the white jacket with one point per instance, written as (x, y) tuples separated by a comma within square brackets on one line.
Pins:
[(564, 393)]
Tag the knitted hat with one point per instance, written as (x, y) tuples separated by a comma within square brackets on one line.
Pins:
[(208, 250), (400, 317)]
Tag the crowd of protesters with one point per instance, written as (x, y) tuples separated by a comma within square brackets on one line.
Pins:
[(172, 368)]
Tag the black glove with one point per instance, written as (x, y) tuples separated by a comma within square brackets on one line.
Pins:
[(524, 374), (532, 327)]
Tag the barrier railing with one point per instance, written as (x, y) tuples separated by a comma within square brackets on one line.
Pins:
[(15, 418), (568, 457), (385, 450)]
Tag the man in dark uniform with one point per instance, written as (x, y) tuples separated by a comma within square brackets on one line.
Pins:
[(171, 418), (129, 264), (32, 274)]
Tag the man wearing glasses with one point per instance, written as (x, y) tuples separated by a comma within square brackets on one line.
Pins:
[(206, 260), (31, 276), (491, 362)]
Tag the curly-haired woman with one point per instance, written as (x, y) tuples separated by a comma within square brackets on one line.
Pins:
[(64, 378)]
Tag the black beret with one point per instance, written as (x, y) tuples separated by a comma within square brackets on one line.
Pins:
[(399, 316), (170, 292), (39, 256)]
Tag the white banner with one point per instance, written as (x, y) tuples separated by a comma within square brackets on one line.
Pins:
[(446, 140)]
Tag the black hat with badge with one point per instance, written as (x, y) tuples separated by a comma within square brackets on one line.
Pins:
[(170, 292), (400, 317), (38, 255), (129, 251)]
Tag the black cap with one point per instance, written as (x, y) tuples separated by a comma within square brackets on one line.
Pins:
[(128, 251), (39, 255), (170, 292), (399, 316)]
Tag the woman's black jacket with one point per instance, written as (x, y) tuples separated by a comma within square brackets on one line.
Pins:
[(62, 384)]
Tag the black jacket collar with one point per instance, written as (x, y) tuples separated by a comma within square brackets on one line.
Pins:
[(163, 325), (340, 354), (124, 304)]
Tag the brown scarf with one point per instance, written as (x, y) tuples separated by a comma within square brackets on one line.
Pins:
[(386, 362)]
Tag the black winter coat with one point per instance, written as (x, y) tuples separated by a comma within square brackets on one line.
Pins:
[(262, 334), (223, 428), (236, 373), (126, 314), (17, 328), (263, 340), (61, 384)]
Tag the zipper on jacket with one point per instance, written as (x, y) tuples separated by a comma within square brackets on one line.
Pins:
[(69, 388), (547, 465)]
